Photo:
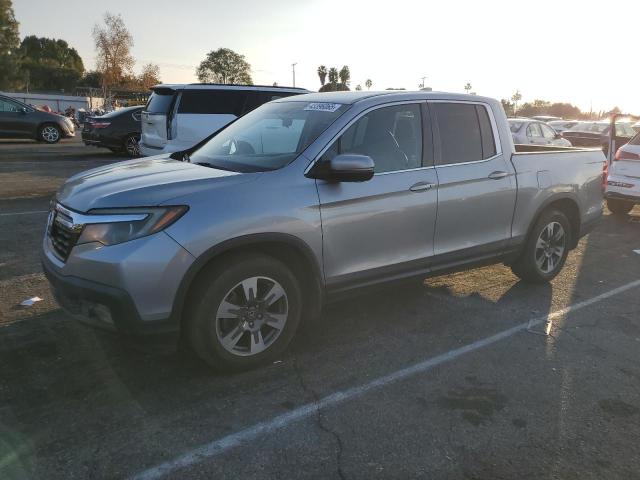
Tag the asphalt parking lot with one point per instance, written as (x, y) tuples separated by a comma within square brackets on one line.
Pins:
[(454, 378)]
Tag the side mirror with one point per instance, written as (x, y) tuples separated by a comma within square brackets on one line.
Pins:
[(347, 167)]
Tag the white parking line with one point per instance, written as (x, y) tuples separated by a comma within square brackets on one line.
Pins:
[(221, 445), (23, 213)]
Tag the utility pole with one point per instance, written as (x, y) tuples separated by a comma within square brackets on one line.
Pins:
[(293, 69), (422, 84)]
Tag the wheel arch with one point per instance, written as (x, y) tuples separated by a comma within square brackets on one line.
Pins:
[(568, 205), (290, 250)]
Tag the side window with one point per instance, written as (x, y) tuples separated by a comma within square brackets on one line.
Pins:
[(391, 136), (227, 102), (533, 130), (547, 132), (461, 138), (8, 106), (486, 131)]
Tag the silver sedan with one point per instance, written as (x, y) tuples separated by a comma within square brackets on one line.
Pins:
[(528, 131)]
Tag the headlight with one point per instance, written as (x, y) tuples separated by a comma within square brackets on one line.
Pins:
[(112, 226)]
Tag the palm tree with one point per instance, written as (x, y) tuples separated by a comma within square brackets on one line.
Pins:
[(468, 87), (515, 99), (322, 73), (368, 83), (333, 75), (345, 75)]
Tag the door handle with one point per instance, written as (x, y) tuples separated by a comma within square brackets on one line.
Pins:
[(422, 186), (497, 175)]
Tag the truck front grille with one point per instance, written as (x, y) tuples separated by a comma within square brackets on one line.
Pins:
[(63, 238)]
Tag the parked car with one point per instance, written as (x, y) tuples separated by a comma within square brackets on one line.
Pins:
[(119, 131), (178, 117), (623, 182), (19, 120), (596, 134), (561, 126), (636, 127), (527, 131), (545, 118), (234, 242)]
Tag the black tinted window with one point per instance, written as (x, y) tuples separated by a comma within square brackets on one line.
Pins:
[(391, 136), (160, 102), (228, 102), (488, 140), (255, 99), (460, 136)]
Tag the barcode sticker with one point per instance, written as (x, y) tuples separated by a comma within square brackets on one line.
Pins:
[(323, 107)]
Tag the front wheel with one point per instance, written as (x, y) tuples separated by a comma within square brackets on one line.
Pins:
[(49, 133), (245, 312), (619, 207), (546, 249), (130, 145)]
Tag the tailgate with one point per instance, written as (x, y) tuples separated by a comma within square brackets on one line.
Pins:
[(156, 117)]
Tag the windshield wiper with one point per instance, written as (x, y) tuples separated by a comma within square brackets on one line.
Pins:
[(217, 167)]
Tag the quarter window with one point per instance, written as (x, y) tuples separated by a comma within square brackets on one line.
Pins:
[(465, 131), (391, 136)]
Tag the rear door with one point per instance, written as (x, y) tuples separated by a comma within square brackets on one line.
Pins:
[(534, 134), (383, 227), (156, 118), (201, 112), (477, 189)]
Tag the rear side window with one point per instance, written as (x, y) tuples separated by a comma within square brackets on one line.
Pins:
[(211, 102), (255, 99), (465, 133), (160, 102)]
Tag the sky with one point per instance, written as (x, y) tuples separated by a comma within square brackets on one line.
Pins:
[(572, 51)]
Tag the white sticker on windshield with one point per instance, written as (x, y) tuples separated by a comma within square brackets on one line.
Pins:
[(323, 107)]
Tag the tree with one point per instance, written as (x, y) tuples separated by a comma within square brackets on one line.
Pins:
[(368, 83), (224, 66), (150, 76), (113, 50), (322, 73), (92, 78), (515, 98), (333, 75), (358, 87), (345, 75), (9, 44), (508, 107), (50, 64), (468, 87)]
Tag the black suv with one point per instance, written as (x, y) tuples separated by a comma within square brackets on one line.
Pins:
[(19, 120), (119, 131)]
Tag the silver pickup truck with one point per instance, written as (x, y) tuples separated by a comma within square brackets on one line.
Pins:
[(235, 241)]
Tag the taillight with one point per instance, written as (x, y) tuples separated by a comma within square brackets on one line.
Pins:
[(100, 124), (625, 155)]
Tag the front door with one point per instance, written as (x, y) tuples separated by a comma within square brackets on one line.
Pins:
[(477, 189), (383, 227)]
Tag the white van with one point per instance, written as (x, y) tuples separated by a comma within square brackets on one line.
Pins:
[(177, 117)]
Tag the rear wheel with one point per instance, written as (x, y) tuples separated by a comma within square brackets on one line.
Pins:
[(546, 249), (245, 312), (49, 133), (130, 145), (619, 207)]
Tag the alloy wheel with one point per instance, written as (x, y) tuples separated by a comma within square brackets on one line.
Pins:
[(550, 247), (131, 146), (251, 316), (50, 134)]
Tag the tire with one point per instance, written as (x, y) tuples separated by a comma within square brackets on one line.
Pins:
[(619, 207), (49, 133), (541, 260), (130, 145), (235, 339)]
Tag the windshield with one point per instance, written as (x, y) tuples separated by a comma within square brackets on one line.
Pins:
[(268, 138)]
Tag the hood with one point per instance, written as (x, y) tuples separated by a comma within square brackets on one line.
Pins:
[(139, 183)]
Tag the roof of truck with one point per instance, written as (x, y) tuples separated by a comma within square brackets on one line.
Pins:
[(223, 86), (353, 97)]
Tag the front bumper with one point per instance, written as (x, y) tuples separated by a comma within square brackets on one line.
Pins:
[(129, 287)]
